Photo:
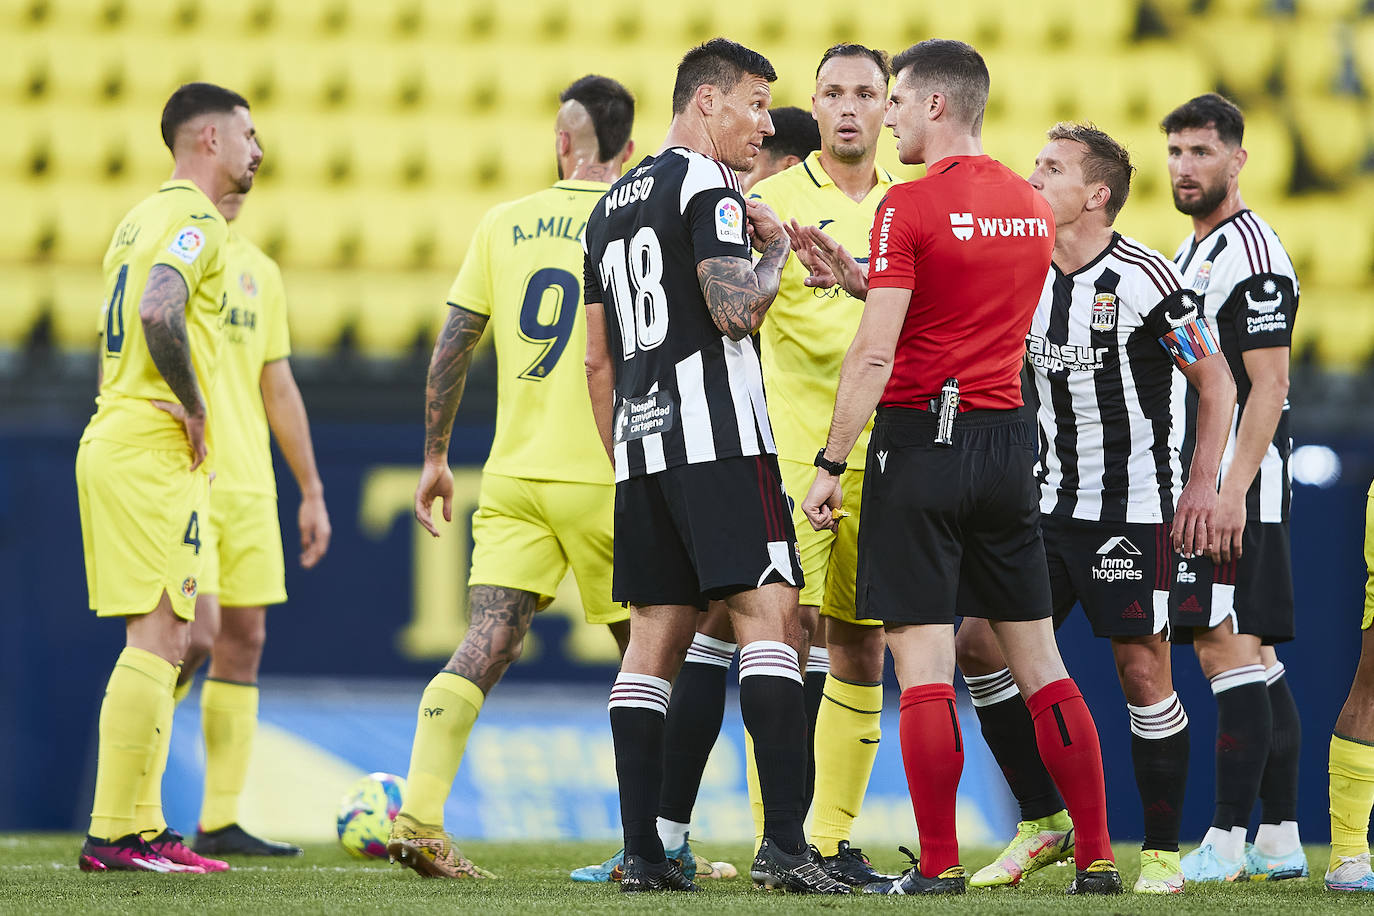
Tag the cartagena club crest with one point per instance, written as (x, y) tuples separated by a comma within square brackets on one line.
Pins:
[(1104, 312)]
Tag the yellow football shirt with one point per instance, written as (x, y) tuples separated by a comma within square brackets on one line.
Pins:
[(254, 333), (807, 331), (524, 270), (178, 226)]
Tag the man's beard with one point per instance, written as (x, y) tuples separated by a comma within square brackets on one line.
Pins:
[(1205, 203)]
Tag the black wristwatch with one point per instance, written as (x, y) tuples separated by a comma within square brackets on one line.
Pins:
[(835, 468)]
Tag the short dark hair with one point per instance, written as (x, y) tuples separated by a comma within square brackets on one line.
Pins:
[(1210, 110), (193, 100), (612, 110), (719, 62), (849, 49), (795, 133), (951, 67), (1104, 160)]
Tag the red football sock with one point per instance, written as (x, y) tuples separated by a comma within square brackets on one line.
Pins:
[(1067, 739), (933, 755)]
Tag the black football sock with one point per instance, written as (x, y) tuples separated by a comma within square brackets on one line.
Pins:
[(813, 685), (1244, 727), (1010, 735), (1159, 750), (773, 705), (1279, 785), (638, 705), (695, 711)]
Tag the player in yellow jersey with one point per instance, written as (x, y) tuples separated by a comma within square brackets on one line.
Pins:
[(1352, 753), (547, 491), (803, 343), (142, 473), (241, 543)]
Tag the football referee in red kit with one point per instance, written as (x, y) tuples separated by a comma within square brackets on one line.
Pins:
[(950, 521)]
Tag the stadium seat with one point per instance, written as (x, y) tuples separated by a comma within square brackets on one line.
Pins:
[(1337, 153), (1247, 59), (28, 290), (77, 299)]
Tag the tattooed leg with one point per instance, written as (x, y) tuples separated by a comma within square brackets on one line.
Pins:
[(496, 634)]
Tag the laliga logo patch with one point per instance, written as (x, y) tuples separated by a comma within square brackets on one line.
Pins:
[(247, 284), (1104, 312), (729, 221), (188, 244), (961, 224), (189, 586), (1203, 277)]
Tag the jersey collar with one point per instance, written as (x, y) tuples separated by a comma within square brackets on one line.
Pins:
[(186, 185), (576, 184), (935, 168), (1195, 243), (818, 175), (1116, 237)]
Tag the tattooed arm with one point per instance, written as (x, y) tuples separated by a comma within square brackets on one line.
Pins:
[(448, 373), (737, 294), (162, 309)]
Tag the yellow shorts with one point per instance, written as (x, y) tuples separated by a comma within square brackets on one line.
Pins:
[(242, 549), (830, 560), (1369, 561), (141, 512), (526, 533)]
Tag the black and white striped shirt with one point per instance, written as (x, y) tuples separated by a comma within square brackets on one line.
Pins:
[(1102, 348), (684, 392), (1250, 295)]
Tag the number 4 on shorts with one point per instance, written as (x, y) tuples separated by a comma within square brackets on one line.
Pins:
[(192, 535)]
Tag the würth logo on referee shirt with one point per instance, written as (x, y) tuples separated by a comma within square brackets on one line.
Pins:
[(962, 225)]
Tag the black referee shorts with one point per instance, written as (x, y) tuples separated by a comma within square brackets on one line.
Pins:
[(1254, 592), (699, 532), (948, 532)]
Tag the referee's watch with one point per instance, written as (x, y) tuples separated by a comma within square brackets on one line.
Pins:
[(834, 468)]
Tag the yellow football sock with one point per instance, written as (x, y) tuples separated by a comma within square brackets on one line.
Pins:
[(751, 772), (137, 695), (448, 710), (148, 818), (229, 719), (180, 691), (1352, 797), (847, 732)]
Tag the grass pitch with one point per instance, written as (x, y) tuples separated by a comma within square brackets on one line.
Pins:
[(38, 874)]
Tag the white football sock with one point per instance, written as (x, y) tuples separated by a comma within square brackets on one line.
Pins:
[(1278, 840), (672, 833)]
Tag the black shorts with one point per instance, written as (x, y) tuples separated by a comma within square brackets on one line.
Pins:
[(1120, 573), (698, 532), (948, 532), (1256, 591)]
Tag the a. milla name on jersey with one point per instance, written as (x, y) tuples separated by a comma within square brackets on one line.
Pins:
[(1053, 357), (557, 227)]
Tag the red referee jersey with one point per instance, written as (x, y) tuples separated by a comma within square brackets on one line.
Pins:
[(972, 241)]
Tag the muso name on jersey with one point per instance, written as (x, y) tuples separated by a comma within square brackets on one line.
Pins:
[(628, 193), (1054, 357)]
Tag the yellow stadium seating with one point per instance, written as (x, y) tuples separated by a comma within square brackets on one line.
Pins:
[(390, 127)]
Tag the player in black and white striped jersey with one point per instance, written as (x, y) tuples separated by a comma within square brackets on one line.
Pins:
[(1113, 325), (700, 511), (1236, 609)]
